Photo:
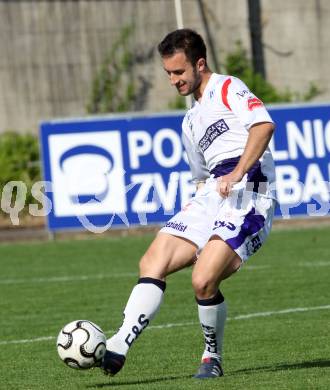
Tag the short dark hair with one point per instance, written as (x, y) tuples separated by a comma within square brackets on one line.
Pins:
[(184, 39)]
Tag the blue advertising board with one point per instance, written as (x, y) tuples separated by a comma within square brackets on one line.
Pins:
[(301, 150), (114, 170), (132, 170)]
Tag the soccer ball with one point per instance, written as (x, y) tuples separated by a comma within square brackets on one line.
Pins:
[(81, 344)]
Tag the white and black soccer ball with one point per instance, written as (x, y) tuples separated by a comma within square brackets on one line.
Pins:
[(81, 344)]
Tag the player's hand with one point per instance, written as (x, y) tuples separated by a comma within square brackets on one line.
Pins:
[(225, 183)]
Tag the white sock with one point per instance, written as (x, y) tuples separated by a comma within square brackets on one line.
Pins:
[(212, 318), (142, 305)]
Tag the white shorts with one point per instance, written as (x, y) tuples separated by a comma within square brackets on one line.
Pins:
[(243, 220)]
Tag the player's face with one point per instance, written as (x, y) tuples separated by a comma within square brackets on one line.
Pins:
[(182, 74)]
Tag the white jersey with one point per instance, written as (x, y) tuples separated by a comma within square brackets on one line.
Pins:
[(216, 129)]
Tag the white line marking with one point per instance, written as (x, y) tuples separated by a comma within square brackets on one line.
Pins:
[(82, 278), (314, 264), (78, 278), (182, 324), (285, 311), (247, 316), (255, 267), (25, 341), (165, 326)]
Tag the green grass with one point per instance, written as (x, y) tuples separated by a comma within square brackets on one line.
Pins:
[(279, 351)]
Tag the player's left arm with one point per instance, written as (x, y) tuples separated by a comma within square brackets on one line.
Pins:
[(253, 115), (258, 140)]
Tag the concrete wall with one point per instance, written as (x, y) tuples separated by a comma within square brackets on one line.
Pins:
[(51, 50), (297, 42)]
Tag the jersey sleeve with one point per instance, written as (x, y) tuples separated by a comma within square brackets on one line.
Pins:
[(249, 109), (196, 159)]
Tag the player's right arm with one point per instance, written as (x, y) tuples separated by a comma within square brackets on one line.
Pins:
[(197, 164), (254, 117)]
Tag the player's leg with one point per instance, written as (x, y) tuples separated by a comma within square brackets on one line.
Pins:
[(216, 262), (249, 226), (165, 255), (173, 249)]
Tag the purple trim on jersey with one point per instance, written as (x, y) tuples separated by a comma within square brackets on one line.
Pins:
[(255, 173), (225, 167), (252, 224)]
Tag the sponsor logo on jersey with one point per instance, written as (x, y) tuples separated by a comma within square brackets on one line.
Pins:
[(242, 93), (176, 226), (253, 245), (254, 103), (212, 132), (228, 225)]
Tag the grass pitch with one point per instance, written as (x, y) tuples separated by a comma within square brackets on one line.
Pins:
[(277, 335)]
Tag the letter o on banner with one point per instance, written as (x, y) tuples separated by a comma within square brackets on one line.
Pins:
[(160, 157)]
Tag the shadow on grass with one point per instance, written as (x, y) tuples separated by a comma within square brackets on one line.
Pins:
[(253, 370), (131, 383), (288, 366)]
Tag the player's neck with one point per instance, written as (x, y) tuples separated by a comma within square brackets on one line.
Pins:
[(198, 93)]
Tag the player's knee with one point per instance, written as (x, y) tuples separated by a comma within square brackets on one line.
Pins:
[(203, 287), (236, 264)]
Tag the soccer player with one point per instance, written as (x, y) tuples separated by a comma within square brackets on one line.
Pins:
[(226, 134)]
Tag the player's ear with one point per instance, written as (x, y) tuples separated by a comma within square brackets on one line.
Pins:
[(201, 64)]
